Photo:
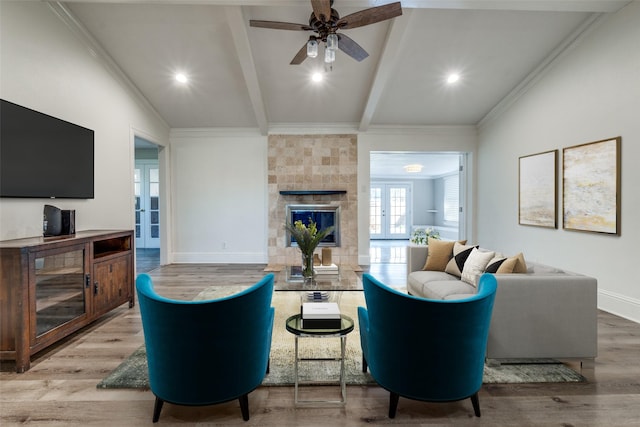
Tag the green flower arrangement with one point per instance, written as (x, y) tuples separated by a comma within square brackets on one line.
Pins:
[(308, 237), (421, 235)]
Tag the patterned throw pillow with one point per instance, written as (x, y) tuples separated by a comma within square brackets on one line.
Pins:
[(475, 265), (495, 263), (514, 264), (460, 254)]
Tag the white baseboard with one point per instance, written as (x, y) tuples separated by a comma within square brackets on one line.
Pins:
[(620, 305), (218, 258)]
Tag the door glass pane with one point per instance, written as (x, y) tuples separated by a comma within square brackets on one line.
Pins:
[(59, 289), (398, 210)]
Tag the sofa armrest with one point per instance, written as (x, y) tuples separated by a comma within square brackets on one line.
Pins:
[(416, 257), (544, 316)]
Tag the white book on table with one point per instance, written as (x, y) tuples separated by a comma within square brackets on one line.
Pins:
[(320, 310)]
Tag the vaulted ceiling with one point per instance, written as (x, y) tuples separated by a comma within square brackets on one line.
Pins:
[(240, 76)]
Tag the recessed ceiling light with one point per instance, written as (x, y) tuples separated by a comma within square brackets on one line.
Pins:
[(181, 78), (414, 168), (453, 78), (316, 77)]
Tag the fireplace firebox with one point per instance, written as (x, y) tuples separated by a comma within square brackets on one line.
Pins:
[(323, 215)]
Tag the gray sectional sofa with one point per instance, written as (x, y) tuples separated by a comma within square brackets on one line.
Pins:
[(543, 313)]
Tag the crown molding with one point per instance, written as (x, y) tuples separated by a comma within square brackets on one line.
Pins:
[(543, 68), (221, 132), (98, 52)]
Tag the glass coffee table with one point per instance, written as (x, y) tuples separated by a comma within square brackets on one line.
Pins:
[(345, 279), (294, 325)]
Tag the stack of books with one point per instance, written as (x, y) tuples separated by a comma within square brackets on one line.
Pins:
[(326, 269), (321, 315)]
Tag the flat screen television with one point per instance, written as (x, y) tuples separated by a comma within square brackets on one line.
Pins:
[(44, 157)]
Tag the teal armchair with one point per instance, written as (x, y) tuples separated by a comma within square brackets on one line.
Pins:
[(428, 350), (206, 352)]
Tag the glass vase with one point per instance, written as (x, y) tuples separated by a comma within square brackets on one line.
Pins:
[(307, 265)]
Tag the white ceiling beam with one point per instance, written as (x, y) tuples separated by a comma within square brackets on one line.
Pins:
[(387, 62), (238, 27), (602, 6)]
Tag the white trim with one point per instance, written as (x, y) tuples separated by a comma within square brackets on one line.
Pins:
[(620, 305), (541, 70), (185, 133), (98, 52)]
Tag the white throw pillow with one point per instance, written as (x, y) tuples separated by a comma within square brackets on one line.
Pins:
[(475, 265)]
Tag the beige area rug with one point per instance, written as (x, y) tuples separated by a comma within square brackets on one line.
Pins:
[(132, 373)]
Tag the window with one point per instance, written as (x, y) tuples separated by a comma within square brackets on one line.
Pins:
[(451, 198)]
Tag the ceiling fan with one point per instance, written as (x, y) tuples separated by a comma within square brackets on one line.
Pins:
[(325, 22)]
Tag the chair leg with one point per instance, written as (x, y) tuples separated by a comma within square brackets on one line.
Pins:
[(268, 365), (244, 406), (476, 404), (364, 364), (157, 408), (393, 404)]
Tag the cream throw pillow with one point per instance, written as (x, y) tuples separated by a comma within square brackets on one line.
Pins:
[(474, 265)]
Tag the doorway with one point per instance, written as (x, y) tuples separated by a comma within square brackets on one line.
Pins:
[(147, 204)]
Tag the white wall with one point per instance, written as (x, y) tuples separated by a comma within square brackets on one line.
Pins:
[(44, 66), (219, 202), (592, 93)]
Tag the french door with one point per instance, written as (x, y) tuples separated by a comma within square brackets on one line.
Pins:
[(389, 213), (147, 198)]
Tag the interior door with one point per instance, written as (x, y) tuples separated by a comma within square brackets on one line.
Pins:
[(389, 213), (147, 195)]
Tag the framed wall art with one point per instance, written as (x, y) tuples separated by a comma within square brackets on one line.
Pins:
[(537, 175), (591, 187)]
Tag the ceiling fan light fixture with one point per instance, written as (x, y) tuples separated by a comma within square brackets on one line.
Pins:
[(312, 48), (414, 168), (332, 41), (329, 56)]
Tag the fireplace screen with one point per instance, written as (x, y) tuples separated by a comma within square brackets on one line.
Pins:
[(323, 215)]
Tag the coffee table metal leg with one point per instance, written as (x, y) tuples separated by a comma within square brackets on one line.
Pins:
[(343, 379), (295, 374), (343, 382)]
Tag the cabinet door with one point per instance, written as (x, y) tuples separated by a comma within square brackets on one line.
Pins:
[(58, 279), (111, 279)]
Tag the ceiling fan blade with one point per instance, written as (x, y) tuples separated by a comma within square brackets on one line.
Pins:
[(322, 9), (300, 56), (279, 25), (370, 16), (351, 48)]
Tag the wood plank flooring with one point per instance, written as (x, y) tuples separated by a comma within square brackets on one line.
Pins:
[(60, 389)]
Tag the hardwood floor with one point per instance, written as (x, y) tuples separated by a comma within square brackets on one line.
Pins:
[(60, 388)]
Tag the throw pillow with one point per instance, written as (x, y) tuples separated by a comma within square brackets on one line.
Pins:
[(495, 263), (460, 254), (475, 265), (514, 264), (438, 255)]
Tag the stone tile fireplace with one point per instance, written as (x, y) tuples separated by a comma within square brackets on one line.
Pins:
[(312, 170)]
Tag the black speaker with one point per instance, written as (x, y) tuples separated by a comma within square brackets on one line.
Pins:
[(68, 221), (52, 221)]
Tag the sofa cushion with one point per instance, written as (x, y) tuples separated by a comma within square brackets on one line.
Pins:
[(417, 280), (447, 289), (514, 264), (460, 254), (475, 265), (439, 254)]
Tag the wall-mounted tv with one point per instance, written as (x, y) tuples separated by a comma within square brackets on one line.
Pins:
[(44, 157)]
